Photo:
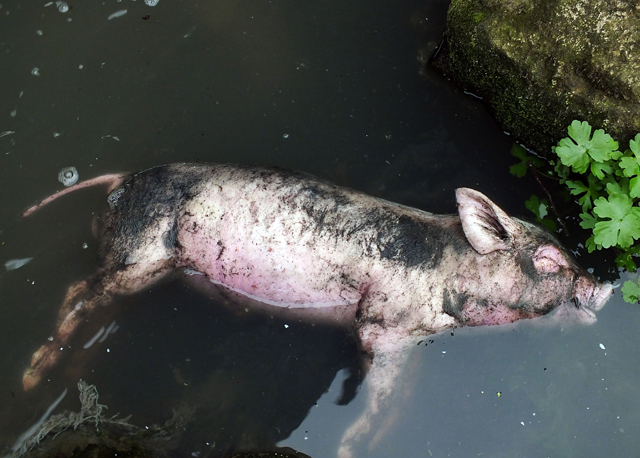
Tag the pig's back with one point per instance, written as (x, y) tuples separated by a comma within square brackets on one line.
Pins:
[(292, 240)]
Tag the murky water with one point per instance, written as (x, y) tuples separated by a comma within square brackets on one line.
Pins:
[(332, 88)]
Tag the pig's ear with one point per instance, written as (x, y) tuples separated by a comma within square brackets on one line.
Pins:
[(485, 225), (549, 259)]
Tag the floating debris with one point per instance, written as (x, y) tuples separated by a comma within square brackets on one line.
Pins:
[(118, 13), (90, 433), (68, 176), (30, 434), (62, 7), (94, 338), (151, 2), (13, 264)]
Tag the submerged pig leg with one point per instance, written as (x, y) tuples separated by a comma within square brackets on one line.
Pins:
[(81, 300), (389, 349)]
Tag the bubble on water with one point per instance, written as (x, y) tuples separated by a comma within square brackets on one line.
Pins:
[(39, 32), (151, 2), (35, 71), (62, 7), (68, 176)]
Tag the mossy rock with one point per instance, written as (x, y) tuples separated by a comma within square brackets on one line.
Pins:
[(540, 64)]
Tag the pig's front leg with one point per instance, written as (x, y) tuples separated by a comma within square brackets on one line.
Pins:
[(389, 349), (81, 299)]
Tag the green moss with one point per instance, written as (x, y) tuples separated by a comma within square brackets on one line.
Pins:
[(479, 17), (541, 64)]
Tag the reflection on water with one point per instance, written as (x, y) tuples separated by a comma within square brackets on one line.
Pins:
[(332, 88)]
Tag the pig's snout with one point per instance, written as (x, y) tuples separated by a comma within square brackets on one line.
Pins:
[(589, 297)]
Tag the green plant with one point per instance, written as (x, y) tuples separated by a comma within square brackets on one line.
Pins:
[(606, 184)]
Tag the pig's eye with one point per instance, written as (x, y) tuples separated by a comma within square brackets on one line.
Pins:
[(574, 301)]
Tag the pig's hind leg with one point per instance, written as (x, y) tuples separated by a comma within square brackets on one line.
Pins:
[(80, 301)]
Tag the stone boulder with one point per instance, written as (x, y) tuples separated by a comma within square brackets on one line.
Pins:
[(540, 64)]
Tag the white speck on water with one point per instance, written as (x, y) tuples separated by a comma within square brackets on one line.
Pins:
[(7, 132), (35, 71), (522, 423), (50, 338), (56, 134), (68, 176), (602, 346), (80, 66), (14, 264), (85, 245), (151, 2), (286, 326), (285, 135), (48, 4), (14, 113), (117, 14), (62, 7), (39, 32)]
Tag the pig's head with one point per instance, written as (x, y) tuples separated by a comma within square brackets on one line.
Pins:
[(515, 270)]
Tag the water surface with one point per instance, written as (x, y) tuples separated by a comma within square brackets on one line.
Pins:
[(332, 88)]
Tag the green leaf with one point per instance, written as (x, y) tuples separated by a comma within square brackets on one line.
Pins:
[(519, 169), (625, 260), (591, 192), (621, 221), (634, 187), (549, 224), (591, 245), (580, 131), (588, 221), (631, 291), (580, 150), (539, 208), (576, 187), (526, 159), (629, 166), (601, 146), (618, 187), (599, 169), (634, 145), (572, 155)]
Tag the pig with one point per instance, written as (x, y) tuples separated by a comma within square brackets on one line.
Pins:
[(296, 243)]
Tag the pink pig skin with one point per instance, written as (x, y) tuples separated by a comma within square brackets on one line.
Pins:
[(308, 247)]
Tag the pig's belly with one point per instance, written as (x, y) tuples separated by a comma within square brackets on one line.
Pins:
[(264, 264)]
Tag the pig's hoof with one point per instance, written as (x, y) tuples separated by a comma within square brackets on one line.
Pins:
[(344, 451), (37, 356), (30, 379)]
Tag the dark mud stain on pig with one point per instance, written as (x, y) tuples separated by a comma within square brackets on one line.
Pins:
[(142, 201), (453, 303), (384, 233)]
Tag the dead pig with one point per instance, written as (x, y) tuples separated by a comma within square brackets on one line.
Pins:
[(301, 244)]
